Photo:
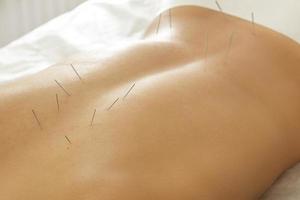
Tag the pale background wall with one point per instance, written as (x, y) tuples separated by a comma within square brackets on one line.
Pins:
[(18, 17)]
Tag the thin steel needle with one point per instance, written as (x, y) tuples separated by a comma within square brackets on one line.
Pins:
[(57, 102), (76, 72), (170, 19), (229, 46), (128, 91), (92, 121), (68, 139), (253, 22), (37, 119), (113, 104), (206, 47), (62, 88), (220, 8), (157, 29)]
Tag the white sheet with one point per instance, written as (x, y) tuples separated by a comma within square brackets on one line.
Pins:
[(105, 24)]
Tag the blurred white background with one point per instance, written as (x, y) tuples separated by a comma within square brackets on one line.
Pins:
[(18, 17)]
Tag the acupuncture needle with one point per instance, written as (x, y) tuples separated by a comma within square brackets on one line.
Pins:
[(62, 88), (229, 46), (37, 119), (206, 47), (158, 24), (57, 102), (128, 91), (76, 72), (113, 104), (219, 7), (68, 139), (170, 19), (92, 121), (253, 22)]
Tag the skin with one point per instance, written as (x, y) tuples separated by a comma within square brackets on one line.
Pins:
[(206, 119)]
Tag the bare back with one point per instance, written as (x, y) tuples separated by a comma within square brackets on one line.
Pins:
[(204, 109)]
